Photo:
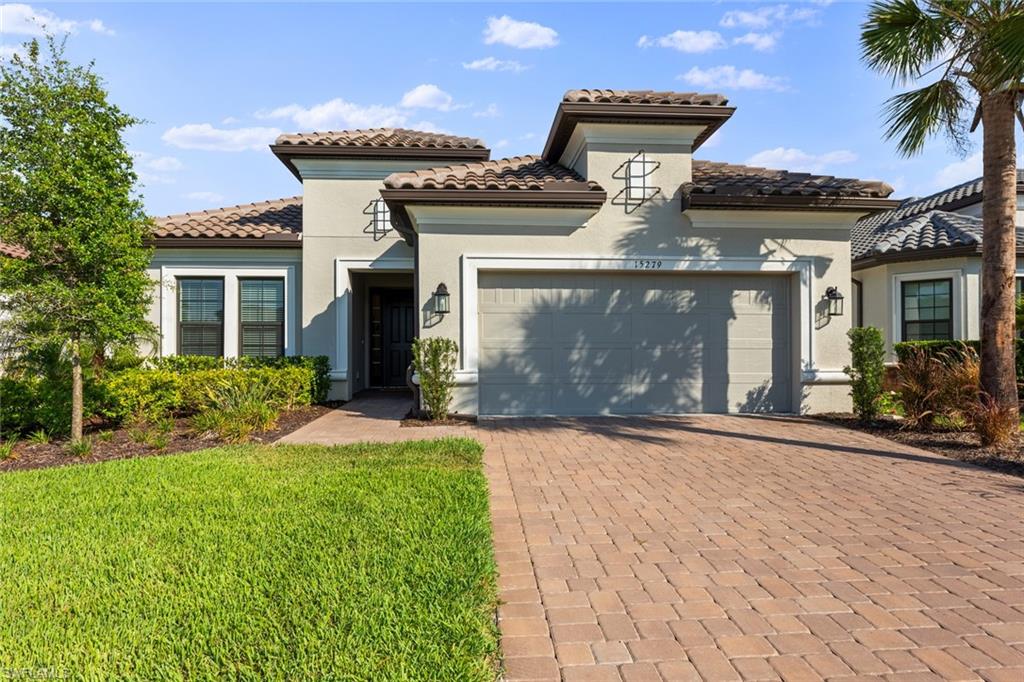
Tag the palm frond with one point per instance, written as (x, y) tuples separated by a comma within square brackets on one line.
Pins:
[(911, 117), (1006, 42), (900, 38)]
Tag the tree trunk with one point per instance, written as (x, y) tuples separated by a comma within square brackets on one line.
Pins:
[(76, 390), (999, 252)]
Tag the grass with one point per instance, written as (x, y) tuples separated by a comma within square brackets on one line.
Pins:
[(253, 562)]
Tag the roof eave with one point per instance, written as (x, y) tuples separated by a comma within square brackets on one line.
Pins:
[(904, 255), (399, 199), (275, 242), (789, 203), (569, 114), (287, 152)]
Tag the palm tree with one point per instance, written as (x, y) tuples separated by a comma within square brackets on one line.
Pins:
[(975, 53)]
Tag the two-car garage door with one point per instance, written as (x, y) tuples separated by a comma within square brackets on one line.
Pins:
[(582, 343)]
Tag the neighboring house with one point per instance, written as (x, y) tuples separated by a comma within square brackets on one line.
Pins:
[(8, 250), (612, 273), (917, 268)]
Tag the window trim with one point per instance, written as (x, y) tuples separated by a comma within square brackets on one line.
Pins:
[(284, 317), (958, 305), (903, 298), (231, 275), (177, 310)]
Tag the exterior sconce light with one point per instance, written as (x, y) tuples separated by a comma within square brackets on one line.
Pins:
[(442, 300), (835, 302)]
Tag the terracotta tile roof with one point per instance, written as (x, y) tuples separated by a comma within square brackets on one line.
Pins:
[(280, 219), (13, 251), (381, 137), (645, 97), (529, 173), (871, 229), (727, 179)]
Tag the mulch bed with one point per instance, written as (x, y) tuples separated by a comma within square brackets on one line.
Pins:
[(121, 445), (959, 445)]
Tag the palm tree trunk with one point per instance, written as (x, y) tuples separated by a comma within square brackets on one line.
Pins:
[(999, 251), (76, 390)]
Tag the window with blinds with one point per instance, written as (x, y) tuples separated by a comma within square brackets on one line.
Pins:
[(200, 316), (261, 317)]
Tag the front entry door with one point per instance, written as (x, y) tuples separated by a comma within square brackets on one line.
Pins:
[(398, 319)]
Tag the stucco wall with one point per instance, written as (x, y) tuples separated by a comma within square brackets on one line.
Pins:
[(658, 228)]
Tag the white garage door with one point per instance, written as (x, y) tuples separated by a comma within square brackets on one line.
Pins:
[(557, 343)]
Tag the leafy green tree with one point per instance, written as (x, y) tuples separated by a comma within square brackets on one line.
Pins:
[(866, 370), (67, 196), (974, 52)]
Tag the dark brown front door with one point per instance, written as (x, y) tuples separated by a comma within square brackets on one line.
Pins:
[(392, 317)]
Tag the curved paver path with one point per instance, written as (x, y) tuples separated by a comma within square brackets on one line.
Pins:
[(728, 548)]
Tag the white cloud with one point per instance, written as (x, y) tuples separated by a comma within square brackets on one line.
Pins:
[(491, 111), (208, 197), (229, 120), (691, 42), (21, 19), (524, 35), (338, 114), (799, 160), (208, 138), (527, 136), (770, 15), (500, 144), (156, 170), (761, 42), (493, 64), (8, 51), (428, 96), (731, 77), (959, 171)]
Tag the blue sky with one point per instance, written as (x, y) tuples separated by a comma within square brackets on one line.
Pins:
[(217, 82)]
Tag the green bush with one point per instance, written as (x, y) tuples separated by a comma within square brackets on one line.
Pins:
[(866, 370), (143, 394), (434, 360), (318, 365)]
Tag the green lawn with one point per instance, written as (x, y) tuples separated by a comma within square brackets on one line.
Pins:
[(286, 562)]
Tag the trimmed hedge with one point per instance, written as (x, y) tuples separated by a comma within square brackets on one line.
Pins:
[(953, 349), (160, 386)]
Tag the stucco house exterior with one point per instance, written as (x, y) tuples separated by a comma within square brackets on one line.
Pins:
[(610, 273), (917, 267)]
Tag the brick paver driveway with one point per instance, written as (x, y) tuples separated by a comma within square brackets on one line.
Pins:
[(729, 548)]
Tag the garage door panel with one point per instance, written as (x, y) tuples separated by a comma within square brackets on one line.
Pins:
[(516, 327), (527, 364), (593, 398), (593, 364), (610, 343), (592, 327)]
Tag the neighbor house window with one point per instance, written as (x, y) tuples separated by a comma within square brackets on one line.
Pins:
[(927, 310), (261, 317), (201, 316)]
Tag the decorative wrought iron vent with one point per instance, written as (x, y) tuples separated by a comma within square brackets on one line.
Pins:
[(635, 174), (380, 219)]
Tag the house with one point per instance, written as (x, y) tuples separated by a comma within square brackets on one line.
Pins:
[(611, 273), (917, 267)]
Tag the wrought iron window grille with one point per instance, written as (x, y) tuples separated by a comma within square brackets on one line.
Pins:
[(635, 174), (380, 219)]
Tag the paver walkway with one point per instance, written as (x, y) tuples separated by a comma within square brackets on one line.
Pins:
[(729, 548)]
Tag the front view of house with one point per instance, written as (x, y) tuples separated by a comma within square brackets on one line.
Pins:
[(611, 274)]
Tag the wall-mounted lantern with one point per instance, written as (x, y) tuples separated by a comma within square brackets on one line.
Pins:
[(835, 301), (442, 300)]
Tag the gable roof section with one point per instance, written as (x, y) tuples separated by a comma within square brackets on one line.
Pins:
[(727, 185), (635, 106), (517, 181), (9, 250), (276, 223), (873, 230), (377, 143)]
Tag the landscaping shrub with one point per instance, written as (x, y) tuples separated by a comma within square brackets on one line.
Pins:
[(318, 366), (143, 394), (917, 379), (866, 370), (993, 422), (434, 360), (939, 382), (953, 349)]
